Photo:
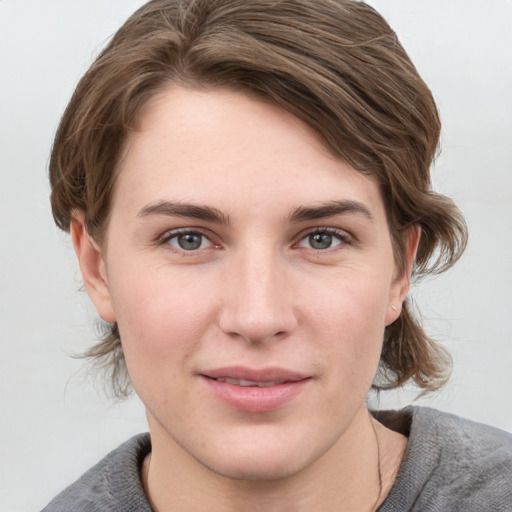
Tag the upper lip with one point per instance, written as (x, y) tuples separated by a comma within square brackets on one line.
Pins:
[(271, 374)]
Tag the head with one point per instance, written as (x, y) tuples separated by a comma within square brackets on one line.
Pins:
[(335, 65)]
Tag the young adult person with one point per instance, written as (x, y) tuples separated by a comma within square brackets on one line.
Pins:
[(248, 193)]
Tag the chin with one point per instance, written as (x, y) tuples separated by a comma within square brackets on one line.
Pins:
[(263, 458), (260, 469)]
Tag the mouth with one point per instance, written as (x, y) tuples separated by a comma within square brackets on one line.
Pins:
[(251, 383), (255, 391), (254, 376)]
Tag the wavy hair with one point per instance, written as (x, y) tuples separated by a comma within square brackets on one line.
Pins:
[(335, 64)]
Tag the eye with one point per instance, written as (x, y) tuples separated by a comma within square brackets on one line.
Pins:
[(187, 240), (323, 239)]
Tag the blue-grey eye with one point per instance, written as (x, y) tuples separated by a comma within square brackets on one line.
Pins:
[(188, 241), (320, 241)]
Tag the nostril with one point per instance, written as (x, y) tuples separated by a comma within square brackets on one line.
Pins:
[(256, 337)]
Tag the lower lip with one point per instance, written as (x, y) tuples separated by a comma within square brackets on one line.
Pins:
[(253, 398)]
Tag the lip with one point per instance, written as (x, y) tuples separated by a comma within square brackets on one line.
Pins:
[(254, 399)]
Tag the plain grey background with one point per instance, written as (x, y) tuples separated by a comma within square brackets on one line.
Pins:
[(55, 423)]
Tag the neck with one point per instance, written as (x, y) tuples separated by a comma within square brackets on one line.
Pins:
[(355, 474)]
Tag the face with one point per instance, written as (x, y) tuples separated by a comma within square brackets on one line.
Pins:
[(252, 276)]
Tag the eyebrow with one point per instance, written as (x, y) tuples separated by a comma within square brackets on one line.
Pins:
[(173, 209), (210, 214), (330, 209)]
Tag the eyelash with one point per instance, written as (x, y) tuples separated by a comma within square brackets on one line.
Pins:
[(342, 236), (170, 235)]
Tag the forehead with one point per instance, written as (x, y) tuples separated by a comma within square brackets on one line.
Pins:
[(219, 146)]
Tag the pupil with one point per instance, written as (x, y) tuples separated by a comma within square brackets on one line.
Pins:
[(320, 241), (189, 241)]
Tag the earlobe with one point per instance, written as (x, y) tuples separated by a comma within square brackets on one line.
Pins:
[(401, 285), (92, 267)]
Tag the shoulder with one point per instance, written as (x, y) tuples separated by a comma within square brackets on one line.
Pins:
[(459, 443), (453, 464), (111, 485)]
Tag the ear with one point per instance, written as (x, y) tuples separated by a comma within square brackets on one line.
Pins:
[(92, 266), (402, 282)]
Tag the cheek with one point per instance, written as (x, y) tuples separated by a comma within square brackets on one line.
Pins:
[(161, 317), (353, 303), (350, 316)]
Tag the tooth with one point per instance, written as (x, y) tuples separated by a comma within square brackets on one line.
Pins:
[(243, 382), (247, 383)]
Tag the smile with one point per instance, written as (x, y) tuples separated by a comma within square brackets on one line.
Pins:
[(250, 383), (255, 391)]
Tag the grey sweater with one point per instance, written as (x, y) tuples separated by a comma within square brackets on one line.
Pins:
[(450, 464)]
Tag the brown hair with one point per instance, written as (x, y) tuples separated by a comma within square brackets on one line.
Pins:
[(335, 64)]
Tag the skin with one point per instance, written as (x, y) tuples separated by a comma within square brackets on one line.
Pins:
[(258, 292)]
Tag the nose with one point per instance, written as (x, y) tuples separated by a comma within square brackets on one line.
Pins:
[(257, 305)]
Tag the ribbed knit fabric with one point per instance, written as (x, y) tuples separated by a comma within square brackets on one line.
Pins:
[(451, 465), (112, 485)]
